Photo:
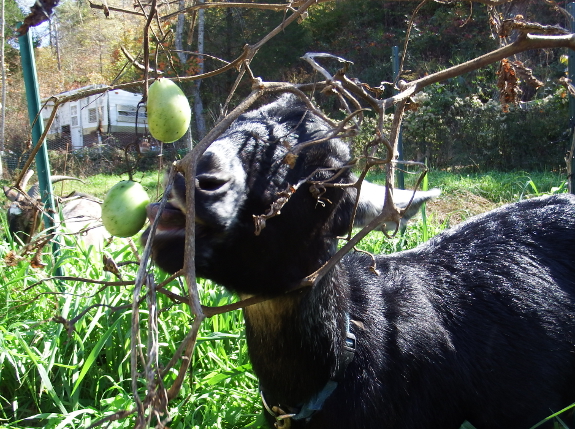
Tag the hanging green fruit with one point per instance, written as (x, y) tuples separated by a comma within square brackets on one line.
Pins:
[(168, 111), (124, 208)]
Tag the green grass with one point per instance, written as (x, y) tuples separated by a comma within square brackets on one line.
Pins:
[(494, 186), (54, 378), (98, 185)]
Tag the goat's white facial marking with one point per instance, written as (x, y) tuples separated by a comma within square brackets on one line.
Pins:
[(220, 185)]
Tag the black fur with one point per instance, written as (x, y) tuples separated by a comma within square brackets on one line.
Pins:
[(478, 324)]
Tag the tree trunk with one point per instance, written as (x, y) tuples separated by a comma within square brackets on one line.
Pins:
[(182, 56), (56, 43), (198, 105), (179, 38)]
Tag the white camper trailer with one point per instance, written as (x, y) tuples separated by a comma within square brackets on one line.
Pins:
[(84, 121)]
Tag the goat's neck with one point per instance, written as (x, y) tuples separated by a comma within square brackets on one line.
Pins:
[(295, 340)]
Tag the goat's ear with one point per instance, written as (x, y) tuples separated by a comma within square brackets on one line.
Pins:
[(372, 198), (11, 193)]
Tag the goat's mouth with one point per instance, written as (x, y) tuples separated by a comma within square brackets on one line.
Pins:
[(172, 218)]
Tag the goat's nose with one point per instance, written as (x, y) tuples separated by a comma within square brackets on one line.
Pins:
[(212, 182), (213, 173)]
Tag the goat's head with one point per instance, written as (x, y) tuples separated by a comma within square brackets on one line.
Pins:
[(24, 215), (241, 176)]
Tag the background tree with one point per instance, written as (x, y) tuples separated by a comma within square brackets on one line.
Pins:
[(198, 102), (87, 46), (9, 59), (84, 47)]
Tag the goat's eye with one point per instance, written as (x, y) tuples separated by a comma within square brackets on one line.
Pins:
[(210, 183)]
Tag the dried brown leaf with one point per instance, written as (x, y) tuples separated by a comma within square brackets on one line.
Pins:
[(526, 74), (40, 12)]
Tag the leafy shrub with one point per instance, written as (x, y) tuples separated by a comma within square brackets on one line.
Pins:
[(453, 131), (467, 132), (107, 159)]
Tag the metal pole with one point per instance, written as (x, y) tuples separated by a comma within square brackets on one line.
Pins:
[(395, 65), (37, 124), (571, 72), (3, 96)]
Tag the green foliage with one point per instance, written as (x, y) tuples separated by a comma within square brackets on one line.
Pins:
[(360, 31), (364, 32), (454, 131), (111, 159), (447, 36), (12, 16), (54, 377), (227, 30), (281, 53)]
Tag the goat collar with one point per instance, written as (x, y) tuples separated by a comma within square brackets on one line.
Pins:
[(305, 411)]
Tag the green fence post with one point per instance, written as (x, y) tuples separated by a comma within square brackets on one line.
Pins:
[(37, 124), (571, 72), (395, 65)]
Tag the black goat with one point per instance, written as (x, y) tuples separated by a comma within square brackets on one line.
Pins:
[(478, 324)]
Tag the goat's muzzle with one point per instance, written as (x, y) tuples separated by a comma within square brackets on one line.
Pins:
[(171, 218)]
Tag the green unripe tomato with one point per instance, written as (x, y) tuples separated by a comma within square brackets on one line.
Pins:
[(168, 111), (124, 208)]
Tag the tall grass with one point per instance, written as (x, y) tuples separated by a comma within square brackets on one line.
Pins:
[(494, 186), (53, 377), (58, 376)]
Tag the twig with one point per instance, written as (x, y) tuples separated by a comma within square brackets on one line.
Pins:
[(83, 280), (508, 25), (523, 43), (135, 62), (406, 42), (115, 9), (263, 6), (149, 19), (311, 56), (118, 415), (157, 394), (188, 344)]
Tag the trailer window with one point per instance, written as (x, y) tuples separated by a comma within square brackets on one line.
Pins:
[(92, 116), (127, 113)]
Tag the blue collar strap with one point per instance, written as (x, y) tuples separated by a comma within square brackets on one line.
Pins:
[(348, 351), (305, 411)]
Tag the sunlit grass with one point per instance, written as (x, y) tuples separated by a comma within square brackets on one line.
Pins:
[(52, 377), (98, 185), (55, 378), (495, 186)]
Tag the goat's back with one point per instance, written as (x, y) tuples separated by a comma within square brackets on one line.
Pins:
[(477, 324)]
